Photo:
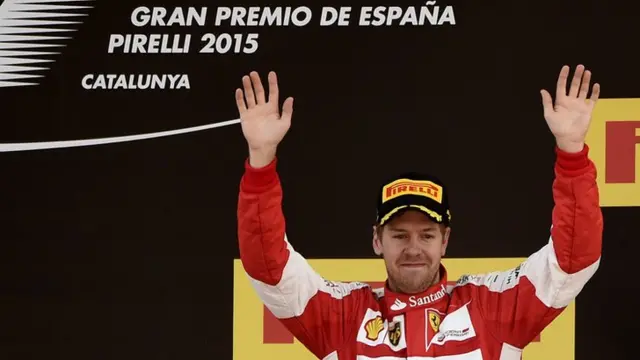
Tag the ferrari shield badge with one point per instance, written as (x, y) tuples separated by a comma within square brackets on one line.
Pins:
[(434, 320)]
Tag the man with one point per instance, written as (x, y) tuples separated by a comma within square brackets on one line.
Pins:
[(416, 315)]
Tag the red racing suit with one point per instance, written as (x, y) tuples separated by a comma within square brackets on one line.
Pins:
[(486, 316)]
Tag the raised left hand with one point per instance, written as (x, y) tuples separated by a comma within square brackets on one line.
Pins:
[(570, 116)]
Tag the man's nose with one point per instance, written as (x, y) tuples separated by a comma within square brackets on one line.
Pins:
[(413, 247), (412, 251)]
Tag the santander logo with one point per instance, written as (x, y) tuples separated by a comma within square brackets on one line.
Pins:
[(420, 300), (398, 305), (429, 298)]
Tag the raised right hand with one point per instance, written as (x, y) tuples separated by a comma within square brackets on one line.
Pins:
[(262, 124)]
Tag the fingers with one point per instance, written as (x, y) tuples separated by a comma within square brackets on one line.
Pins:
[(242, 107), (287, 109), (584, 86), (579, 83), (257, 87), (248, 92), (274, 92), (561, 86), (254, 94), (547, 102), (575, 82), (595, 94)]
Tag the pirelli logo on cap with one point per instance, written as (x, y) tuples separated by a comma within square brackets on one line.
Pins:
[(412, 187)]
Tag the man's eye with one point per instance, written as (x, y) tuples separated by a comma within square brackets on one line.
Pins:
[(400, 237), (428, 236)]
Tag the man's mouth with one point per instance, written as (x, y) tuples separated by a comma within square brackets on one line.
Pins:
[(412, 265)]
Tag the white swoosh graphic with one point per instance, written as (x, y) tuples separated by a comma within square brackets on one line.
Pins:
[(8, 147)]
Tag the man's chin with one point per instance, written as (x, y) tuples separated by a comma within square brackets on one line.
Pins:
[(413, 272)]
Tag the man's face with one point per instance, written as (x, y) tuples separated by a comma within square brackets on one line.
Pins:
[(412, 246)]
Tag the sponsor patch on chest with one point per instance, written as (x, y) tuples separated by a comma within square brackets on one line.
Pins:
[(374, 330), (456, 326), (408, 332)]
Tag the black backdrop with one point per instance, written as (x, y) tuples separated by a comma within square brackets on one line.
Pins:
[(125, 251)]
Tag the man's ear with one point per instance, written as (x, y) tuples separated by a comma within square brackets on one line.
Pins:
[(377, 243), (445, 239)]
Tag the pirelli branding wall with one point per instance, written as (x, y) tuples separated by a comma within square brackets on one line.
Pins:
[(121, 156)]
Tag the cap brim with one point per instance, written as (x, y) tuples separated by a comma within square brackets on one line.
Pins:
[(423, 209)]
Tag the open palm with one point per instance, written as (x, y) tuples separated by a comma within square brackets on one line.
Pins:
[(570, 116), (262, 124)]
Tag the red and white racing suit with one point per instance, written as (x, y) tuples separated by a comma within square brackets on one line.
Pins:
[(487, 316)]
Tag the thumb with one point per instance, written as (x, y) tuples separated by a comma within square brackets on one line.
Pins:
[(287, 109), (547, 102)]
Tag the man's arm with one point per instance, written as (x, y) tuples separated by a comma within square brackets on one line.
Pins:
[(315, 311), (518, 304)]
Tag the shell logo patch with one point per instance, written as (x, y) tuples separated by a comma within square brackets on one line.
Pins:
[(373, 328)]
